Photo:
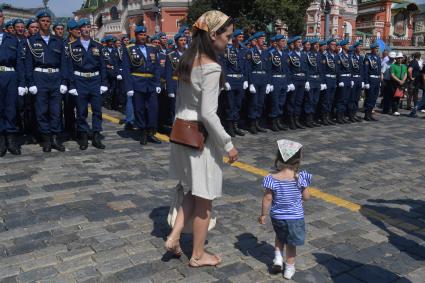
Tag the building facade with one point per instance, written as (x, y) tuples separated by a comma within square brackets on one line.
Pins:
[(118, 17), (11, 12), (419, 27)]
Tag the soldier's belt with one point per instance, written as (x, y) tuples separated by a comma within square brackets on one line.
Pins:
[(86, 75), (6, 69), (46, 70), (176, 78), (279, 76), (238, 76), (259, 72), (356, 76), (145, 75), (299, 74), (331, 76), (345, 75), (374, 76), (314, 76)]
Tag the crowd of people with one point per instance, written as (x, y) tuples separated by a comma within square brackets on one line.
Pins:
[(48, 82)]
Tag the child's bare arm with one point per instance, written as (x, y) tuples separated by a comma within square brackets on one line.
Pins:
[(306, 194), (267, 200)]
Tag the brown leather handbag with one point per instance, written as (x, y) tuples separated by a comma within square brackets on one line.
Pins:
[(188, 133)]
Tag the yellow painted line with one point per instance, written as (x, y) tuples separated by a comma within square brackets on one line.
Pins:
[(315, 192)]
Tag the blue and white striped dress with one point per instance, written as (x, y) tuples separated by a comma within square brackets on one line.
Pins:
[(287, 196)]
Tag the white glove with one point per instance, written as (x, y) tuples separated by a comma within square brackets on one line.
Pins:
[(21, 91), (119, 77), (341, 84), (103, 89), (268, 89), (63, 89), (171, 95), (307, 86), (130, 93), (227, 87), (291, 87), (245, 85), (73, 92), (271, 88), (363, 85), (33, 90), (322, 87), (352, 84), (252, 88), (158, 89), (26, 90), (367, 86)]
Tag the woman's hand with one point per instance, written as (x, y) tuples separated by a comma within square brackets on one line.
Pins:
[(262, 219), (233, 155)]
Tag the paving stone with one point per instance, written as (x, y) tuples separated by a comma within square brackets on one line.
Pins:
[(86, 273), (9, 271), (37, 274), (75, 264), (113, 266), (40, 262)]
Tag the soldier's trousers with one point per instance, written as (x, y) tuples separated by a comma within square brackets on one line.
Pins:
[(355, 92), (69, 113), (342, 96), (297, 98), (88, 93), (256, 102), (311, 99), (233, 103), (145, 109), (372, 94), (8, 101), (329, 96)]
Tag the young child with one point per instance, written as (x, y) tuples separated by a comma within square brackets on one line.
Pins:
[(285, 191)]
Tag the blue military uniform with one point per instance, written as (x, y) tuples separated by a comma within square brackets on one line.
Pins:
[(235, 74), (111, 57), (45, 69), (142, 74), (163, 99), (88, 81), (279, 81), (372, 64), (258, 68), (357, 63), (343, 92), (11, 77)]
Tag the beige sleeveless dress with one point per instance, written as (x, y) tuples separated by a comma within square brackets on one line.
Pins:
[(201, 171)]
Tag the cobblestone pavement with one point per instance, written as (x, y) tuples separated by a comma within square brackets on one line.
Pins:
[(100, 216)]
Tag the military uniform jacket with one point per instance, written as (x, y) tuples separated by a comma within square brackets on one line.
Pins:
[(298, 70), (233, 63), (41, 55), (171, 64), (162, 61), (12, 55), (84, 61), (330, 67), (111, 57), (140, 73), (345, 68), (279, 69), (372, 67), (357, 63), (257, 66), (315, 73)]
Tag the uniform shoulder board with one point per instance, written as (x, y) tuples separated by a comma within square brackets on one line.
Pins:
[(72, 41), (130, 45)]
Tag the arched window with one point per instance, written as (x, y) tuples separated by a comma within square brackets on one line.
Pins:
[(114, 13)]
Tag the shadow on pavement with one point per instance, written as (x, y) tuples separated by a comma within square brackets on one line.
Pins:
[(133, 134)]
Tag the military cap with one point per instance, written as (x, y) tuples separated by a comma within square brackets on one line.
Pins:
[(29, 22), (183, 28), (125, 36), (42, 14), (237, 32), (161, 34), (83, 22), (278, 37), (57, 24), (102, 40), (314, 40), (330, 40), (374, 45), (273, 38), (72, 24), (177, 36), (357, 43), (154, 37), (351, 49), (109, 38), (305, 40), (323, 42), (17, 21), (140, 29), (295, 38), (343, 42), (259, 34), (251, 38)]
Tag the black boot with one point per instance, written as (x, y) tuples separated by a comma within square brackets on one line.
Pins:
[(281, 125), (12, 147), (275, 128), (329, 120), (351, 118), (252, 127), (292, 125), (57, 143), (339, 119), (315, 123), (324, 120), (97, 141), (45, 143), (345, 119), (259, 128), (237, 130), (229, 129), (3, 147), (83, 140), (151, 137), (297, 123), (367, 116), (357, 118), (309, 121)]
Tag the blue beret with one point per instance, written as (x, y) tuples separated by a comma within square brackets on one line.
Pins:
[(259, 34), (323, 42), (305, 40), (29, 22), (72, 24), (295, 38), (183, 29), (18, 21), (140, 29), (56, 24), (330, 40), (351, 49), (273, 38), (314, 40), (154, 37), (9, 23), (109, 38), (279, 37), (102, 40), (357, 43), (170, 42), (250, 38), (343, 42), (177, 36), (374, 45), (245, 42), (125, 36), (83, 22), (42, 14), (237, 32), (161, 34)]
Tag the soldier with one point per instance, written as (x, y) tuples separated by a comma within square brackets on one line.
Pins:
[(162, 43), (236, 82), (298, 75), (345, 83), (125, 40), (119, 90), (87, 83), (316, 81), (111, 57), (357, 62), (373, 79), (258, 68), (19, 27), (12, 83), (32, 26), (279, 82), (45, 68), (58, 29), (142, 82), (8, 27)]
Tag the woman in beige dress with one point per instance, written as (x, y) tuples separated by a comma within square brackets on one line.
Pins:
[(200, 172)]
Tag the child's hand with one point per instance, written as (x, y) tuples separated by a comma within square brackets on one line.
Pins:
[(262, 219)]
